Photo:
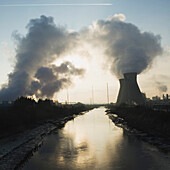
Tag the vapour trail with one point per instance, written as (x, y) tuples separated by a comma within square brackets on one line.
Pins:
[(30, 5)]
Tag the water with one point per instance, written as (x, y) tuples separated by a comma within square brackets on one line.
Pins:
[(92, 141)]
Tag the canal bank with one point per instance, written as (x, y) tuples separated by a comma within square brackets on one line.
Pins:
[(148, 125), (93, 141), (16, 149)]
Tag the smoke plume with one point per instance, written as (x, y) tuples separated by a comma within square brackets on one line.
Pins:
[(32, 74), (126, 47), (68, 68), (161, 87), (52, 79)]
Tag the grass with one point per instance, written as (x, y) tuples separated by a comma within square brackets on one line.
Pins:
[(26, 113), (145, 119)]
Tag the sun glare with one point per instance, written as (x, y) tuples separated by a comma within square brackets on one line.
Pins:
[(77, 61)]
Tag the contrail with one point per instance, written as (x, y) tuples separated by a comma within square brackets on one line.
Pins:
[(29, 5)]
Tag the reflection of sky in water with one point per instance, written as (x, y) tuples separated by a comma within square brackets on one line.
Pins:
[(92, 141), (89, 138)]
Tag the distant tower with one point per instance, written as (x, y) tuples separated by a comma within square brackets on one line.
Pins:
[(67, 97), (107, 94), (92, 96), (129, 92), (90, 100), (167, 96)]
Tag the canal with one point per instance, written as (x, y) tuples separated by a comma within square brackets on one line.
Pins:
[(92, 141)]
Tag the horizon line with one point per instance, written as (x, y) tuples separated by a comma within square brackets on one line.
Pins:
[(68, 4)]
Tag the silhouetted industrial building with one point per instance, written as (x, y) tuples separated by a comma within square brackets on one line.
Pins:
[(129, 92)]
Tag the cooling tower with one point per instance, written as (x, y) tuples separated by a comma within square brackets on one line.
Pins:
[(129, 92), (119, 98)]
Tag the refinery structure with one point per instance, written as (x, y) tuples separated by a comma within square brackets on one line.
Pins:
[(129, 92)]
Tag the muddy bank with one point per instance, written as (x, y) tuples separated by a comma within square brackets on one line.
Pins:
[(140, 126), (17, 149)]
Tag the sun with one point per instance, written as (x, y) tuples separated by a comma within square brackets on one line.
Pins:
[(76, 60)]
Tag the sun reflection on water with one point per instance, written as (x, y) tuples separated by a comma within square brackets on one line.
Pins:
[(93, 142), (87, 137)]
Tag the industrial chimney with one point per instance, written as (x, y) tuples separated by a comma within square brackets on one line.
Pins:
[(129, 92)]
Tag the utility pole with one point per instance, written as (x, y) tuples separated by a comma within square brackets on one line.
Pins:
[(92, 96), (107, 93), (67, 97), (90, 100)]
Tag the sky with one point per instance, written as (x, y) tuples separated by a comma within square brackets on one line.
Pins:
[(148, 15)]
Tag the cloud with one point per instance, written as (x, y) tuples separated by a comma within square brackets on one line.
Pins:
[(117, 17), (160, 81), (161, 87)]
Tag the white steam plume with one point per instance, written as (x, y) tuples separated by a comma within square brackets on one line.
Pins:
[(43, 43), (125, 46)]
